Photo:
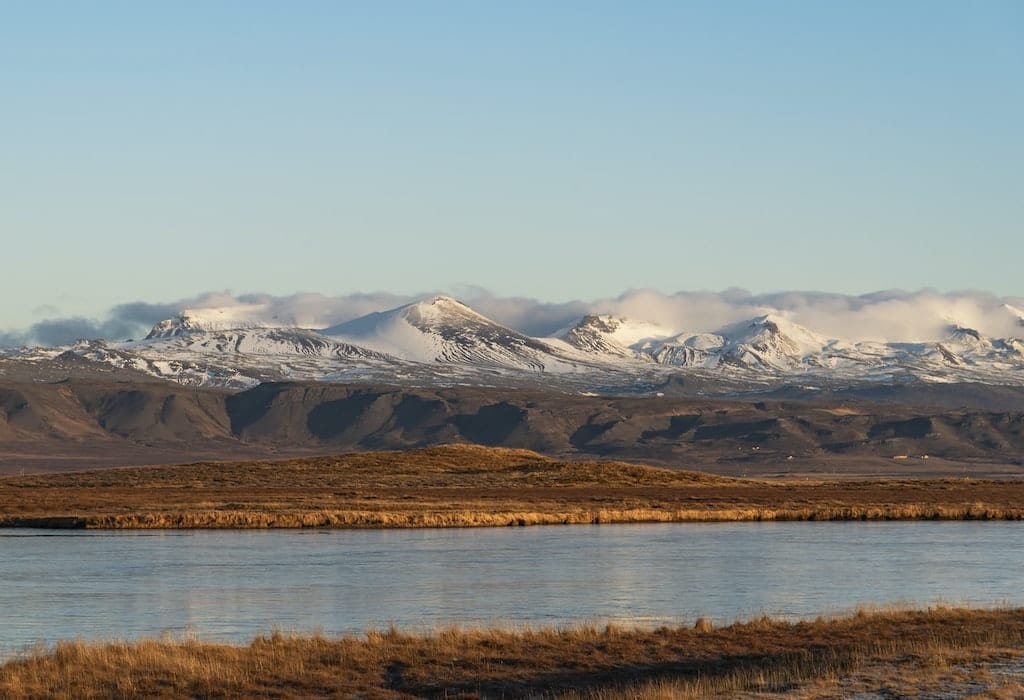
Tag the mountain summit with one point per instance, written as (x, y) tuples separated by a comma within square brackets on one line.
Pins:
[(214, 319), (612, 336), (444, 330)]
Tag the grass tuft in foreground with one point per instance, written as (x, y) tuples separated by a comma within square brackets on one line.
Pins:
[(904, 651)]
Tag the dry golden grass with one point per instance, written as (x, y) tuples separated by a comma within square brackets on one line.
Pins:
[(467, 486), (822, 658), (253, 519), (446, 466)]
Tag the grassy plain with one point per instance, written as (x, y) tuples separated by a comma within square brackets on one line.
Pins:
[(894, 653), (467, 486), (888, 653)]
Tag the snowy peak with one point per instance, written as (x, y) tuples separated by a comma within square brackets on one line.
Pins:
[(776, 334), (967, 338), (215, 319), (444, 330), (610, 335), (770, 341), (966, 346), (440, 310), (1016, 313), (429, 314)]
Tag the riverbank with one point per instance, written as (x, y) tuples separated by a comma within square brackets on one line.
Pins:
[(898, 652), (468, 486)]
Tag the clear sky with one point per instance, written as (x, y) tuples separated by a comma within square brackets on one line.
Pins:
[(557, 150)]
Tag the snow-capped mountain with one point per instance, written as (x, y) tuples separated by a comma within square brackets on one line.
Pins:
[(1016, 313), (443, 330), (608, 335), (769, 342), (217, 319), (440, 341), (773, 346), (431, 342)]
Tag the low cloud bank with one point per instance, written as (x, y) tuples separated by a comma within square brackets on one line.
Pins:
[(892, 315)]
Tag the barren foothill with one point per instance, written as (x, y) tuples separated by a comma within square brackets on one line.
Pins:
[(83, 423)]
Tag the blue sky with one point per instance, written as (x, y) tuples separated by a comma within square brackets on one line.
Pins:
[(572, 150)]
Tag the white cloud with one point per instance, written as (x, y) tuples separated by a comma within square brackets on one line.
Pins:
[(891, 315)]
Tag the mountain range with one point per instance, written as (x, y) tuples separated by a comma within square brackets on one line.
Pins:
[(442, 342)]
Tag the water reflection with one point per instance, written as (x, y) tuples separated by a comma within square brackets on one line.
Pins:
[(234, 585)]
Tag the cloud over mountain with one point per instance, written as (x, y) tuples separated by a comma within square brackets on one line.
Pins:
[(891, 315)]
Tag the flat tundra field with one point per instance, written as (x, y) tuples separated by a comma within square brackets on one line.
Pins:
[(468, 486)]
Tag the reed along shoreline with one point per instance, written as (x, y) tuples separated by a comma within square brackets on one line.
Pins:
[(905, 652), (469, 486)]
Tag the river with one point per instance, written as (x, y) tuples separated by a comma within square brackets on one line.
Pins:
[(233, 585)]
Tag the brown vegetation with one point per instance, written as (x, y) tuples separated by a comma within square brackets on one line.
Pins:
[(465, 486), (903, 652)]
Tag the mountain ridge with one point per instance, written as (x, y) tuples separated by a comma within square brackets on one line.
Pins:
[(440, 341)]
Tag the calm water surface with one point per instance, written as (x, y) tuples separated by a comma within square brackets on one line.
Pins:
[(233, 585)]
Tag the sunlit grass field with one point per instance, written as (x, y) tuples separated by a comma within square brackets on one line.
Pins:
[(468, 486), (902, 651)]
